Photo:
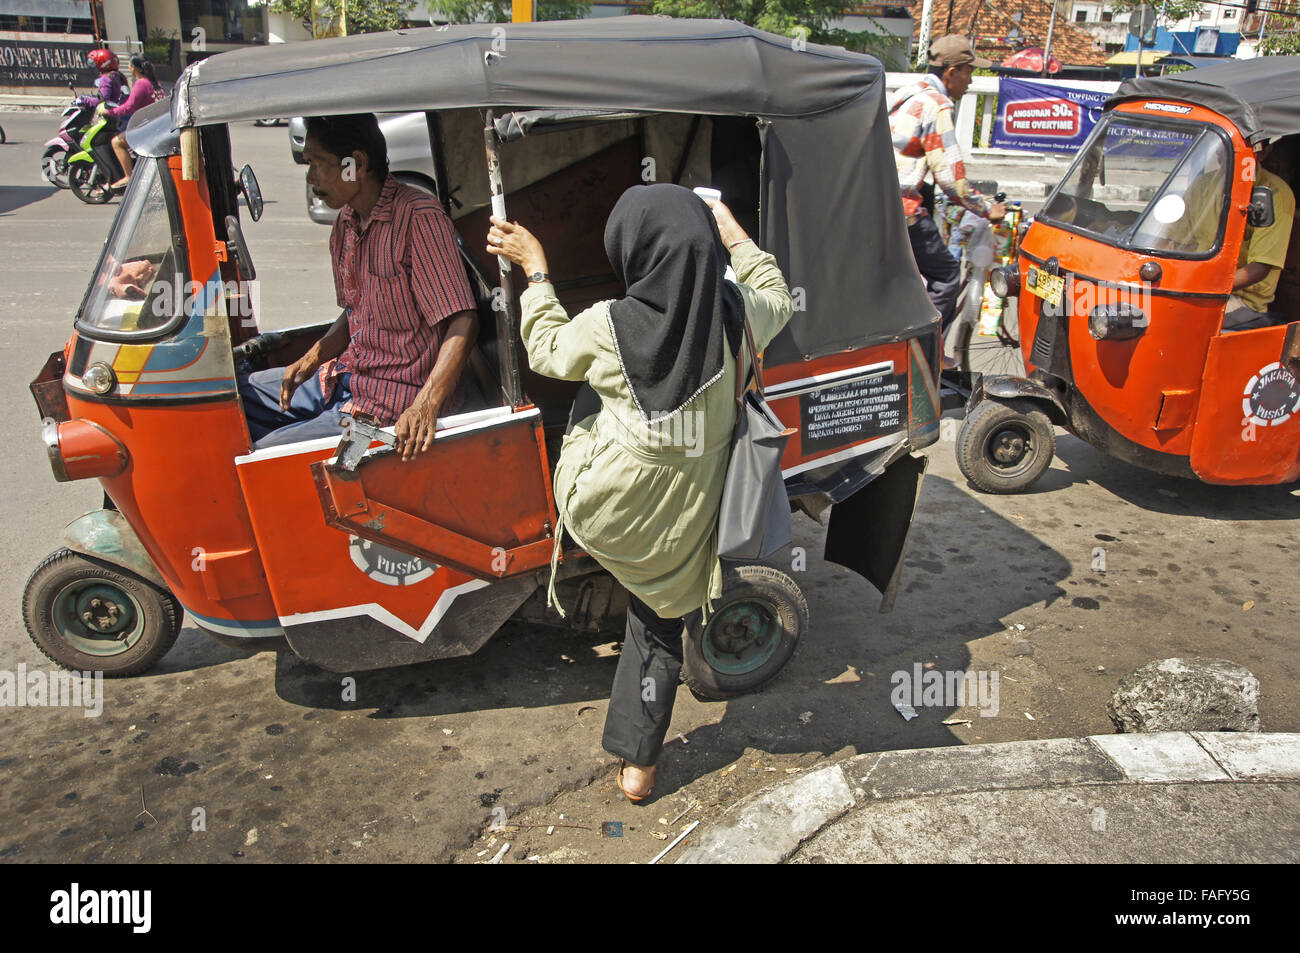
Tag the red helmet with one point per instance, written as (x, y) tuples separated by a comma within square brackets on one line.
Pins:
[(105, 60)]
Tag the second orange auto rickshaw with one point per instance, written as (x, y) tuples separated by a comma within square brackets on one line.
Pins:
[(1122, 283)]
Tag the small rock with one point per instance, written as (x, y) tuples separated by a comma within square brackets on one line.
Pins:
[(1186, 694)]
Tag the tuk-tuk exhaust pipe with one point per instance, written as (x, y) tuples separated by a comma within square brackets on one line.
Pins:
[(508, 320)]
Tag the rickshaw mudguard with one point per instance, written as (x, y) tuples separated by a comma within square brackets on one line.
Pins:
[(107, 536), (868, 531), (1007, 387)]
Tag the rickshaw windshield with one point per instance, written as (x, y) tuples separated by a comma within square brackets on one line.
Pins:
[(1154, 186), (137, 286)]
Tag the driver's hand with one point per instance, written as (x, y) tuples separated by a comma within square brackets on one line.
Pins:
[(997, 211), (130, 279), (414, 430), (296, 374)]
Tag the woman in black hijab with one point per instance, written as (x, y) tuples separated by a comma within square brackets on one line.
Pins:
[(638, 484)]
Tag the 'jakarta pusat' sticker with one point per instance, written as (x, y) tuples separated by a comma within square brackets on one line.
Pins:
[(1271, 396)]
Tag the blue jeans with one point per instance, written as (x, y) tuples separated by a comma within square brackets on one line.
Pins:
[(309, 415)]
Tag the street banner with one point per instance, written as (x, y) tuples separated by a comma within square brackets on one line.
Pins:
[(38, 63), (1037, 117)]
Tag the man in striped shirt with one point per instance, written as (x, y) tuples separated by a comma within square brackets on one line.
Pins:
[(398, 349), (925, 141)]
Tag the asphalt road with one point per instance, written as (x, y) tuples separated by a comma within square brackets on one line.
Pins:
[(278, 769)]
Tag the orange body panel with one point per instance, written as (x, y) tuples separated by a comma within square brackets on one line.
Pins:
[(180, 494), (1248, 424)]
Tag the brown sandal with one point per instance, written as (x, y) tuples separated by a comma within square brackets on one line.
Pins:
[(618, 779)]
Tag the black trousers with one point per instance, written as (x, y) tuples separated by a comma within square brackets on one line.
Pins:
[(645, 685), (941, 271)]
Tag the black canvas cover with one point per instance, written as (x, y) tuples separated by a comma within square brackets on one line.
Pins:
[(1260, 96), (831, 208)]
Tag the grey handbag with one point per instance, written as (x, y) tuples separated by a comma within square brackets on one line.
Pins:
[(754, 519)]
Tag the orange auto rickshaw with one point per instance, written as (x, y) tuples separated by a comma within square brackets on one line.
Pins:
[(1123, 281), (337, 550)]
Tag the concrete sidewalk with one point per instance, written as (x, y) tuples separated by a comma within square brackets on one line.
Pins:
[(1168, 797)]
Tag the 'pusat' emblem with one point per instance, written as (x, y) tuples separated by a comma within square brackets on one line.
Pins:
[(389, 566), (1271, 396)]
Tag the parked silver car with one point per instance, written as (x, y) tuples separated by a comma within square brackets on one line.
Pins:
[(409, 158)]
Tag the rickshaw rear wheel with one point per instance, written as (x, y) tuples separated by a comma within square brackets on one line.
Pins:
[(752, 633), (1004, 447), (88, 615)]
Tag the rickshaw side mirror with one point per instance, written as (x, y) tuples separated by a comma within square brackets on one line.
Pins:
[(1260, 212), (252, 192)]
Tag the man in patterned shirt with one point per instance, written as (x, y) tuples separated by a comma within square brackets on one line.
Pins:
[(398, 349), (925, 141)]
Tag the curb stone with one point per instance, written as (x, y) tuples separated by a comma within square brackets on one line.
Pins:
[(770, 825)]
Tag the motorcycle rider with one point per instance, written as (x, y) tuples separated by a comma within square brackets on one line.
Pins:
[(144, 90), (110, 87)]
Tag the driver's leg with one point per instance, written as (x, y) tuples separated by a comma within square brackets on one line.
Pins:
[(260, 392), (936, 264)]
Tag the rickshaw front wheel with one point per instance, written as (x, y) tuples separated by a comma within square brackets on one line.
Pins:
[(751, 634), (87, 615), (1005, 447)]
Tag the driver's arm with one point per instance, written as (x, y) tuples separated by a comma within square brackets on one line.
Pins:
[(1252, 273)]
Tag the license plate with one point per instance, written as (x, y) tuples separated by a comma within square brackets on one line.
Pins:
[(1048, 287)]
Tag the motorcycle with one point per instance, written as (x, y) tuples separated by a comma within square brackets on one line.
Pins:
[(54, 161), (75, 118), (92, 169)]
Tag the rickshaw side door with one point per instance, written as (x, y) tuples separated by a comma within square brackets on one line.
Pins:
[(478, 501), (1248, 420)]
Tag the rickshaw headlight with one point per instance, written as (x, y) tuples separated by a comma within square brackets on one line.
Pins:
[(99, 378), (1117, 322), (1005, 280)]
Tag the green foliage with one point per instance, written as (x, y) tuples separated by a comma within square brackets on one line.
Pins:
[(158, 47), (364, 16), (498, 11), (1174, 10), (806, 19), (1280, 43)]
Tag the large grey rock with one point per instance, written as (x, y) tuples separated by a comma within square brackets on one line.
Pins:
[(1186, 694)]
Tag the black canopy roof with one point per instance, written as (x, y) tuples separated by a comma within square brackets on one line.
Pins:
[(1261, 96), (638, 62), (831, 212)]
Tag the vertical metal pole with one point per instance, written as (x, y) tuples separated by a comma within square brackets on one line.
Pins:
[(1047, 49), (508, 320), (923, 40)]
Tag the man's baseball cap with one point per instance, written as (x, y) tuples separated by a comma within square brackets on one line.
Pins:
[(955, 50)]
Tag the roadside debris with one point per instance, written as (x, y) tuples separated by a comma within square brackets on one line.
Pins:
[(676, 841), (611, 829), (906, 710), (496, 858)]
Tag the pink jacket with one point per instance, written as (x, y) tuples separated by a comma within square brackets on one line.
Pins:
[(143, 93)]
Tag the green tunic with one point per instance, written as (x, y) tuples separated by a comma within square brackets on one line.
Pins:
[(642, 498)]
